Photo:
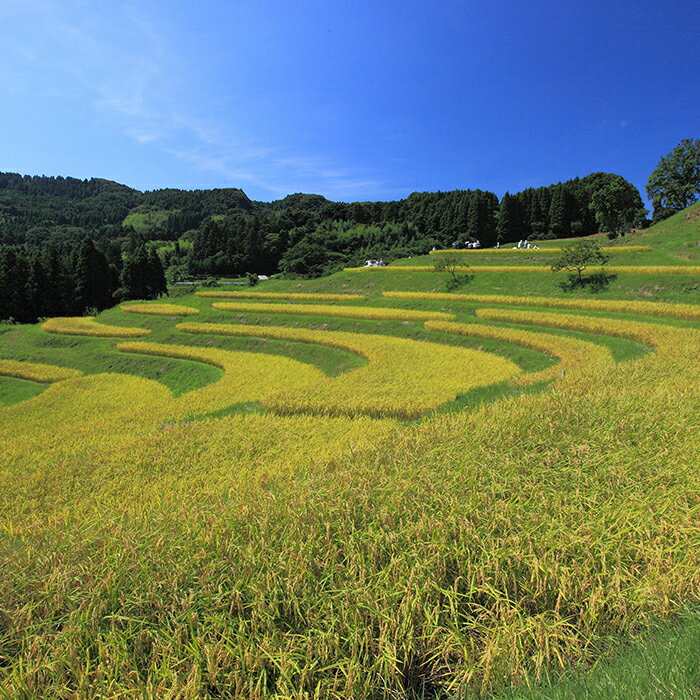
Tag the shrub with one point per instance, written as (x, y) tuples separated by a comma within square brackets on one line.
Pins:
[(579, 256)]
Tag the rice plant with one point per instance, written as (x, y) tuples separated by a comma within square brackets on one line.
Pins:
[(574, 354), (369, 313), (290, 296), (36, 371), (88, 326), (160, 309), (403, 378), (650, 308)]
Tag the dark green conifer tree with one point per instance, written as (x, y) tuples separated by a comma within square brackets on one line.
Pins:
[(156, 277), (511, 220), (134, 277), (38, 290), (558, 213), (93, 279)]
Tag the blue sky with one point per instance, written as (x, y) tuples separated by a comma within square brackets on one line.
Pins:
[(353, 100)]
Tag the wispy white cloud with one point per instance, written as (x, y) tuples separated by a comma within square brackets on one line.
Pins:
[(127, 66)]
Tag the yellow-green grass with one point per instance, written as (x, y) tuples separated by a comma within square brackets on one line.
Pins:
[(403, 378), (595, 269), (574, 354), (370, 313), (247, 377), (669, 341), (675, 238), (290, 296), (253, 557), (160, 309), (88, 326), (651, 308), (238, 558), (535, 251), (36, 371)]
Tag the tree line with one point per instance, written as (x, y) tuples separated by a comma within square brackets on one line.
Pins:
[(303, 235), (308, 235), (217, 232), (67, 279)]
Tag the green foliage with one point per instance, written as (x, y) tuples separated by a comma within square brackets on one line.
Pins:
[(300, 235), (251, 279), (450, 264), (663, 664), (142, 276), (481, 218), (675, 182), (617, 206), (333, 245), (578, 256), (511, 220)]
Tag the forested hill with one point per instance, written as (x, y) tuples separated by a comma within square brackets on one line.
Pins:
[(222, 231)]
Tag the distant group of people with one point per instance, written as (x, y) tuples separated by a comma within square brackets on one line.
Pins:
[(524, 245), (467, 244)]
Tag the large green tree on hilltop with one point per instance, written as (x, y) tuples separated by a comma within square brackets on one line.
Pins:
[(617, 206), (675, 182)]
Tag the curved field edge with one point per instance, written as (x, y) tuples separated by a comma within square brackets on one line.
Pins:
[(574, 354), (160, 309), (594, 269), (247, 377), (14, 390), (430, 374), (289, 296), (36, 371), (652, 308), (671, 342), (88, 326), (371, 313)]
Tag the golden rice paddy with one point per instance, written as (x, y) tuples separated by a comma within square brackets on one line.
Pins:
[(429, 374), (369, 313), (36, 371), (345, 542), (651, 308), (534, 251), (573, 354), (160, 309), (593, 269), (88, 326), (289, 296)]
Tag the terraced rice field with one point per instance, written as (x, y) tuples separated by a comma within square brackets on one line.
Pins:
[(317, 518), (88, 326), (549, 250), (543, 269), (160, 309)]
